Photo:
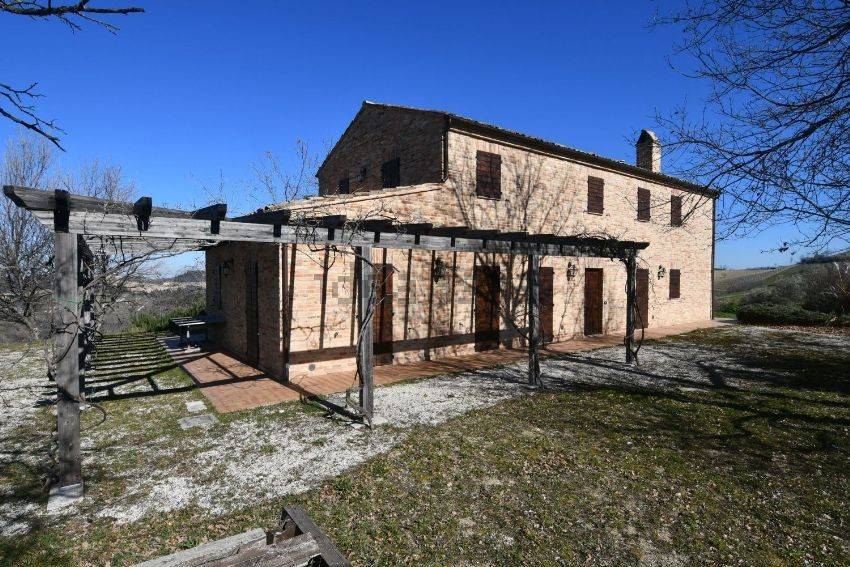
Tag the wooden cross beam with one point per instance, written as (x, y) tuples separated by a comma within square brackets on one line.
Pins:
[(324, 230), (214, 212), (414, 228), (519, 235), (277, 216), (328, 221), (374, 225), (448, 231)]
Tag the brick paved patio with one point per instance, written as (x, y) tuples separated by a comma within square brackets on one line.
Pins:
[(231, 385)]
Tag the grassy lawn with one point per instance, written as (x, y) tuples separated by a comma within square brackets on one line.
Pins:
[(753, 471)]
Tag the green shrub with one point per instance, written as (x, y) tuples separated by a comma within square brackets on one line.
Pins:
[(159, 323), (785, 314)]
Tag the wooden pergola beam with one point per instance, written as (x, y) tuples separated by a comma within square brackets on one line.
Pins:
[(130, 246), (414, 228), (448, 231), (215, 212), (327, 221), (88, 217), (375, 225), (138, 225), (106, 224), (277, 216), (519, 235)]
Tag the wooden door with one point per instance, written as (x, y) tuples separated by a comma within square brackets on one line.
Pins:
[(593, 301), (382, 322), (486, 285), (547, 303), (642, 299), (252, 314)]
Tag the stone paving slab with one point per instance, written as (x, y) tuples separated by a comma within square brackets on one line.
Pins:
[(204, 421), (63, 496)]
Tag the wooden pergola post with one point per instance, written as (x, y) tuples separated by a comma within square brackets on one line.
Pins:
[(67, 359), (631, 273), (534, 331), (85, 335), (365, 341)]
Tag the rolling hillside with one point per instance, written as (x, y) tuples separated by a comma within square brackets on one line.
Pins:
[(734, 286)]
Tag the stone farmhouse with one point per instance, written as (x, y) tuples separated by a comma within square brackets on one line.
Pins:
[(291, 310)]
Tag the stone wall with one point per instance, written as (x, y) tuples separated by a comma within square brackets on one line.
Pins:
[(548, 194), (228, 270), (377, 135), (434, 317)]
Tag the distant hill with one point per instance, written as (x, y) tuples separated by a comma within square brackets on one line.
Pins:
[(190, 276), (734, 286)]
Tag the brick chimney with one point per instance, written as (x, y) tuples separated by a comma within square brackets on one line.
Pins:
[(648, 151)]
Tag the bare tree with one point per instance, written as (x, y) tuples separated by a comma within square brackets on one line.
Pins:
[(775, 132), (26, 247), (273, 182), (18, 103)]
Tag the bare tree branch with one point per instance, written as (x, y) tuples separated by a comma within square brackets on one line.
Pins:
[(774, 135), (17, 104)]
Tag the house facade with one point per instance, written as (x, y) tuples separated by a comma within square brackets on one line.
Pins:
[(290, 310)]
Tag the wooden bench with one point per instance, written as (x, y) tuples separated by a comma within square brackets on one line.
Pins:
[(297, 542), (188, 324)]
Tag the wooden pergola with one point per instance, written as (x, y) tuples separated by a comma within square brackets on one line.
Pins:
[(141, 229)]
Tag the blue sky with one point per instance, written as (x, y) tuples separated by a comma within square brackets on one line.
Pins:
[(190, 93)]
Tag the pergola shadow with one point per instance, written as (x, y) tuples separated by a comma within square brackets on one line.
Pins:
[(143, 230)]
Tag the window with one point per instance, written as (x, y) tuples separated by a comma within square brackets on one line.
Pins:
[(643, 205), (595, 195), (390, 173), (342, 187), (675, 283), (676, 210), (488, 175)]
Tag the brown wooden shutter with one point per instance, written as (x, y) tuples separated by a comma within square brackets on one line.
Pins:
[(496, 175), (675, 284), (595, 195), (391, 173), (643, 205), (675, 210), (488, 175)]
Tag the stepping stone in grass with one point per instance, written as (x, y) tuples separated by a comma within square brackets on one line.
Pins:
[(61, 497), (204, 421), (196, 406)]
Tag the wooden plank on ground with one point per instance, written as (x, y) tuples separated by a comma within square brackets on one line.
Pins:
[(330, 554), (213, 551)]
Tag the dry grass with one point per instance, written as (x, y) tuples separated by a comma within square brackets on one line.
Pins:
[(751, 470)]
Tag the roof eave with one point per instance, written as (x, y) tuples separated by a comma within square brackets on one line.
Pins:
[(466, 124)]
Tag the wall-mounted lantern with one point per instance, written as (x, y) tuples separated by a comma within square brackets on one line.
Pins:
[(439, 270), (572, 270), (661, 271)]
